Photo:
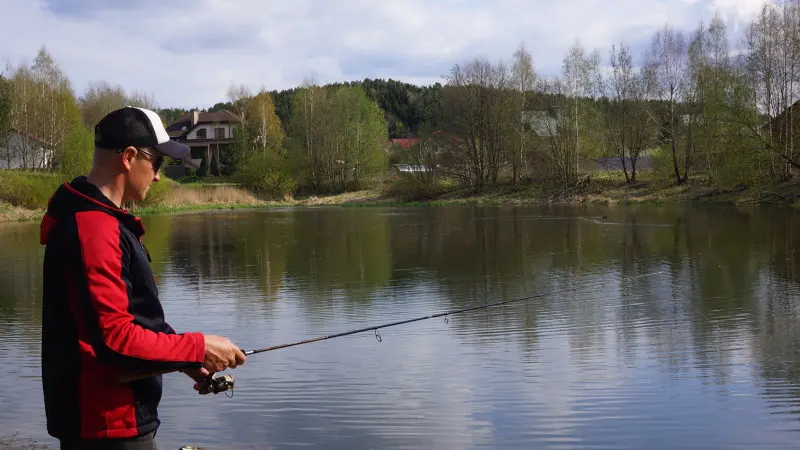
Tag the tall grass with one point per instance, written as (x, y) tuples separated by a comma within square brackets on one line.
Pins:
[(208, 195)]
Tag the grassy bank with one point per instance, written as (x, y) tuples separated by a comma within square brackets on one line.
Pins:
[(23, 195)]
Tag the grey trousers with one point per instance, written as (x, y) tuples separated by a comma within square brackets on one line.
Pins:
[(146, 442)]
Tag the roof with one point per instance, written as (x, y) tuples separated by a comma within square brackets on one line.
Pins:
[(406, 142), (176, 128), (410, 142), (541, 123), (30, 136)]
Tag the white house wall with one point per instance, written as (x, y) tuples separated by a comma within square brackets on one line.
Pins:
[(209, 130), (16, 146)]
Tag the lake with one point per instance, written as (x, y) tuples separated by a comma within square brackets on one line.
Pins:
[(651, 327)]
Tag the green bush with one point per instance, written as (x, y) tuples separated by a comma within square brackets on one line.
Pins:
[(28, 189), (159, 191), (267, 174), (76, 158), (410, 187)]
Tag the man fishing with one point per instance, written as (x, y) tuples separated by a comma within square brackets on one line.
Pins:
[(102, 318)]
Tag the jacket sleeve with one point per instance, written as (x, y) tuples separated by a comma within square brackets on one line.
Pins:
[(116, 339)]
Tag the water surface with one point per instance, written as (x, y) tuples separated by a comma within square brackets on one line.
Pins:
[(657, 328)]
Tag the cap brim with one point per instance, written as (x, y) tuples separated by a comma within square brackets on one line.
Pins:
[(174, 150)]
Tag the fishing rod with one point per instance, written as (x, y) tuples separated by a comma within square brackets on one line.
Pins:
[(226, 382), (417, 319)]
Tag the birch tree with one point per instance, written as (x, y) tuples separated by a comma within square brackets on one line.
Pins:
[(6, 153), (579, 73), (772, 49), (523, 78), (666, 68), (43, 109)]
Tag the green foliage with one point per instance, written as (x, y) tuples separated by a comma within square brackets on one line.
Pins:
[(76, 159), (337, 135), (362, 133), (5, 106), (410, 187), (159, 191), (263, 124), (28, 189), (662, 163), (405, 107), (750, 168), (268, 174)]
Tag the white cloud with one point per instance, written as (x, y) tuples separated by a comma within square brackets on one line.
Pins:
[(187, 53)]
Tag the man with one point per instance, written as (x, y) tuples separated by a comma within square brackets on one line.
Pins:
[(102, 318)]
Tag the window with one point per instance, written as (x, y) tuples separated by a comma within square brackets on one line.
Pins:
[(219, 133), (201, 133)]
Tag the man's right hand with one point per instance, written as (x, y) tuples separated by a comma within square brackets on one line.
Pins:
[(221, 354)]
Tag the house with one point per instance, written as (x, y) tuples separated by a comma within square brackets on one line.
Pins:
[(19, 150), (206, 134), (541, 123), (411, 168)]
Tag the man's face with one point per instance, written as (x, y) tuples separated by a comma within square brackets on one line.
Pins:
[(143, 172)]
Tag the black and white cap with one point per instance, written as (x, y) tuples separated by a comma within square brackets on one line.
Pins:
[(137, 127)]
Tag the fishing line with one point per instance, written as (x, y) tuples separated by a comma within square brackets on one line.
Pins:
[(445, 314)]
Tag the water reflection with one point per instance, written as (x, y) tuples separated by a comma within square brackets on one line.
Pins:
[(667, 321)]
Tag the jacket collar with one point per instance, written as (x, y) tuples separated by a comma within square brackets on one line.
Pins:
[(81, 195)]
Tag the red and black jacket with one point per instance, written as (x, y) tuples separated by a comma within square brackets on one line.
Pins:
[(102, 318)]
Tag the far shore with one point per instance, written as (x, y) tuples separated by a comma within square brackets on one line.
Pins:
[(192, 199)]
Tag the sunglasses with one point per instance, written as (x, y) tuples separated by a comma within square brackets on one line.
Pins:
[(157, 160)]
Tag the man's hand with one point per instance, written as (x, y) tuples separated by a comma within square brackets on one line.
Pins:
[(221, 354), (197, 375)]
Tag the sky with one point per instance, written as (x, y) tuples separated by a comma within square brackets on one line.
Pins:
[(186, 53)]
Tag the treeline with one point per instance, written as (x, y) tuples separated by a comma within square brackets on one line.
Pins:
[(689, 105), (44, 125)]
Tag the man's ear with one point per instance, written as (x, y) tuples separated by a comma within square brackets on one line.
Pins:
[(128, 155)]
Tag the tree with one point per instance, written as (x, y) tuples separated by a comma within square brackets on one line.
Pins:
[(264, 124), (629, 130), (579, 72), (666, 73), (307, 125), (479, 107), (44, 107), (524, 80), (239, 97), (99, 99), (337, 134), (5, 120), (772, 49), (361, 134)]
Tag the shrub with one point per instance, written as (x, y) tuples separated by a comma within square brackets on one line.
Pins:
[(412, 187), (267, 174), (28, 189), (159, 191)]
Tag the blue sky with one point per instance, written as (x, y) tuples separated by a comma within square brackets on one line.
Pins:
[(187, 52)]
